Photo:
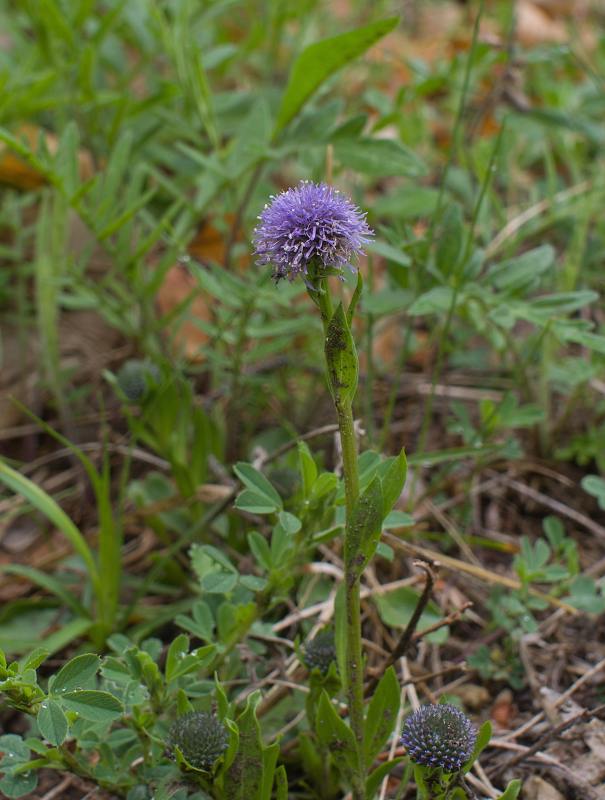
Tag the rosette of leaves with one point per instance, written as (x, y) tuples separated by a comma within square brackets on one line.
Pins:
[(201, 739)]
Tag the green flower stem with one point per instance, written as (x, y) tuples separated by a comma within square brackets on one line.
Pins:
[(354, 658)]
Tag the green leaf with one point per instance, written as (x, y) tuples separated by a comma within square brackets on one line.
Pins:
[(261, 493), (366, 524), (52, 722), (379, 157), (482, 741), (376, 777), (255, 503), (270, 755), (517, 273), (244, 778), (307, 468), (393, 482), (335, 735), (512, 791), (76, 674), (355, 298), (48, 582), (289, 522), (340, 631), (451, 240), (320, 60), (396, 608), (12, 785), (389, 252), (281, 783), (34, 659), (45, 504), (436, 300), (341, 358), (595, 486), (93, 705), (382, 715), (15, 754)]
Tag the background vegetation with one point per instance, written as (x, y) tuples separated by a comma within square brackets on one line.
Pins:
[(172, 499)]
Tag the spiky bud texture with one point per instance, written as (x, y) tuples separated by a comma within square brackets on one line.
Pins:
[(439, 736), (201, 737), (320, 652), (135, 378)]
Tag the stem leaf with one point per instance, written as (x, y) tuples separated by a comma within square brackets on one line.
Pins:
[(341, 359), (382, 715), (366, 525)]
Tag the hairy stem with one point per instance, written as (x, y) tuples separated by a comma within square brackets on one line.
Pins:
[(354, 656)]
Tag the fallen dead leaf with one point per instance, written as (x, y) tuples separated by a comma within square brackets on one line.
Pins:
[(19, 174), (187, 338)]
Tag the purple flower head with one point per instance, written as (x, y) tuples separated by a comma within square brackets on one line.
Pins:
[(439, 736), (310, 224)]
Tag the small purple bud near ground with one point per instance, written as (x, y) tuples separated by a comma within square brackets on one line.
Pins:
[(439, 736)]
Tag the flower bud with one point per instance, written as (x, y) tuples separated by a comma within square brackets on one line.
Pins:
[(439, 736), (320, 652), (135, 379), (201, 738)]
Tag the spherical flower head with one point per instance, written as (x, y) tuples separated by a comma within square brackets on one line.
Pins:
[(136, 378), (439, 736), (320, 652), (201, 738), (308, 226)]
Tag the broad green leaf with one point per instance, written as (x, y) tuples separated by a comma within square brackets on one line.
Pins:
[(15, 753), (93, 705), (335, 735), (76, 674), (396, 609), (52, 722), (259, 486), (320, 60), (382, 715), (255, 503), (341, 358), (365, 528), (393, 482), (18, 785), (378, 157)]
